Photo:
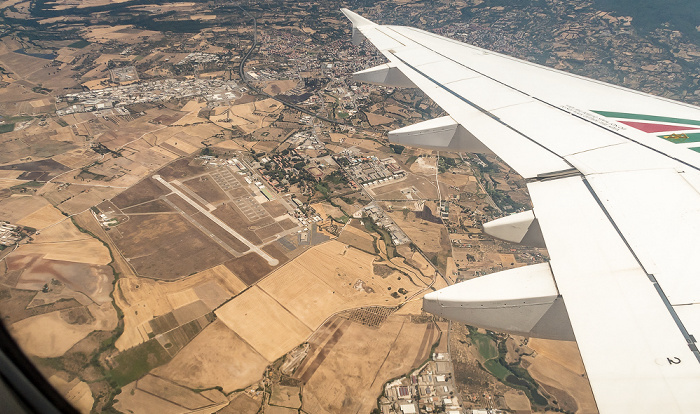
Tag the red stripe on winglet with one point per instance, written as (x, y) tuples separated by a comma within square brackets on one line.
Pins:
[(654, 128)]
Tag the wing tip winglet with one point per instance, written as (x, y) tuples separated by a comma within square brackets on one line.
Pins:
[(356, 19)]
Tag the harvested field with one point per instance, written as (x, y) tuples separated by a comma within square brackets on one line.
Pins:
[(15, 208), (95, 281), (517, 401), (356, 237), (150, 242), (228, 145), (253, 309), (152, 394), (76, 392), (242, 404), (356, 364), (43, 217), (49, 335), (89, 251), (271, 409), (142, 300), (280, 86), (77, 158), (216, 357), (88, 198), (326, 210), (247, 116), (285, 396), (249, 268), (376, 119), (559, 369), (422, 232), (329, 278)]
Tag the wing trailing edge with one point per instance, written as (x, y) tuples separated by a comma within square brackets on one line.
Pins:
[(521, 228), (385, 75), (521, 301), (442, 133)]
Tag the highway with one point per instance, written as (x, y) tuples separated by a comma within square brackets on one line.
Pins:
[(241, 73)]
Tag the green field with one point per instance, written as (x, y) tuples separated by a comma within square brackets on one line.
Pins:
[(497, 370), (79, 44), (136, 362), (485, 345)]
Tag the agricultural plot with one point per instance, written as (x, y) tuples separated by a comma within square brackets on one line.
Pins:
[(263, 323), (249, 117), (143, 301), (558, 368), (37, 170), (280, 86), (351, 366), (216, 357), (35, 271), (377, 119), (52, 334), (428, 235), (355, 235), (154, 394), (150, 241), (16, 208), (297, 298), (242, 404), (332, 277), (77, 392), (42, 218)]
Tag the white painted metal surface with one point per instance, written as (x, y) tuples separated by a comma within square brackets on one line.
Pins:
[(442, 133), (386, 75), (658, 213), (625, 333), (512, 301), (622, 231), (521, 228)]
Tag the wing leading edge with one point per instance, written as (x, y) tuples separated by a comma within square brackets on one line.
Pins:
[(614, 180)]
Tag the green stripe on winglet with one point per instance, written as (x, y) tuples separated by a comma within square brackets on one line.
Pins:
[(682, 138), (696, 149), (625, 115)]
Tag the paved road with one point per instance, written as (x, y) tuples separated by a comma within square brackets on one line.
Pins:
[(241, 73), (271, 260)]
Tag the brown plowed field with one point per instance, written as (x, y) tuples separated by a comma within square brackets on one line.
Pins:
[(146, 190), (358, 364), (207, 188), (151, 242), (216, 357)]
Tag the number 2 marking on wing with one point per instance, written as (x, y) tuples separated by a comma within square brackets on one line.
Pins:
[(674, 360)]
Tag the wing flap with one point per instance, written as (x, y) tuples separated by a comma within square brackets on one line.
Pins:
[(628, 340), (657, 213), (622, 235)]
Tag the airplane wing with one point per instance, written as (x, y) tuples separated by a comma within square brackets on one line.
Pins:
[(614, 178)]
